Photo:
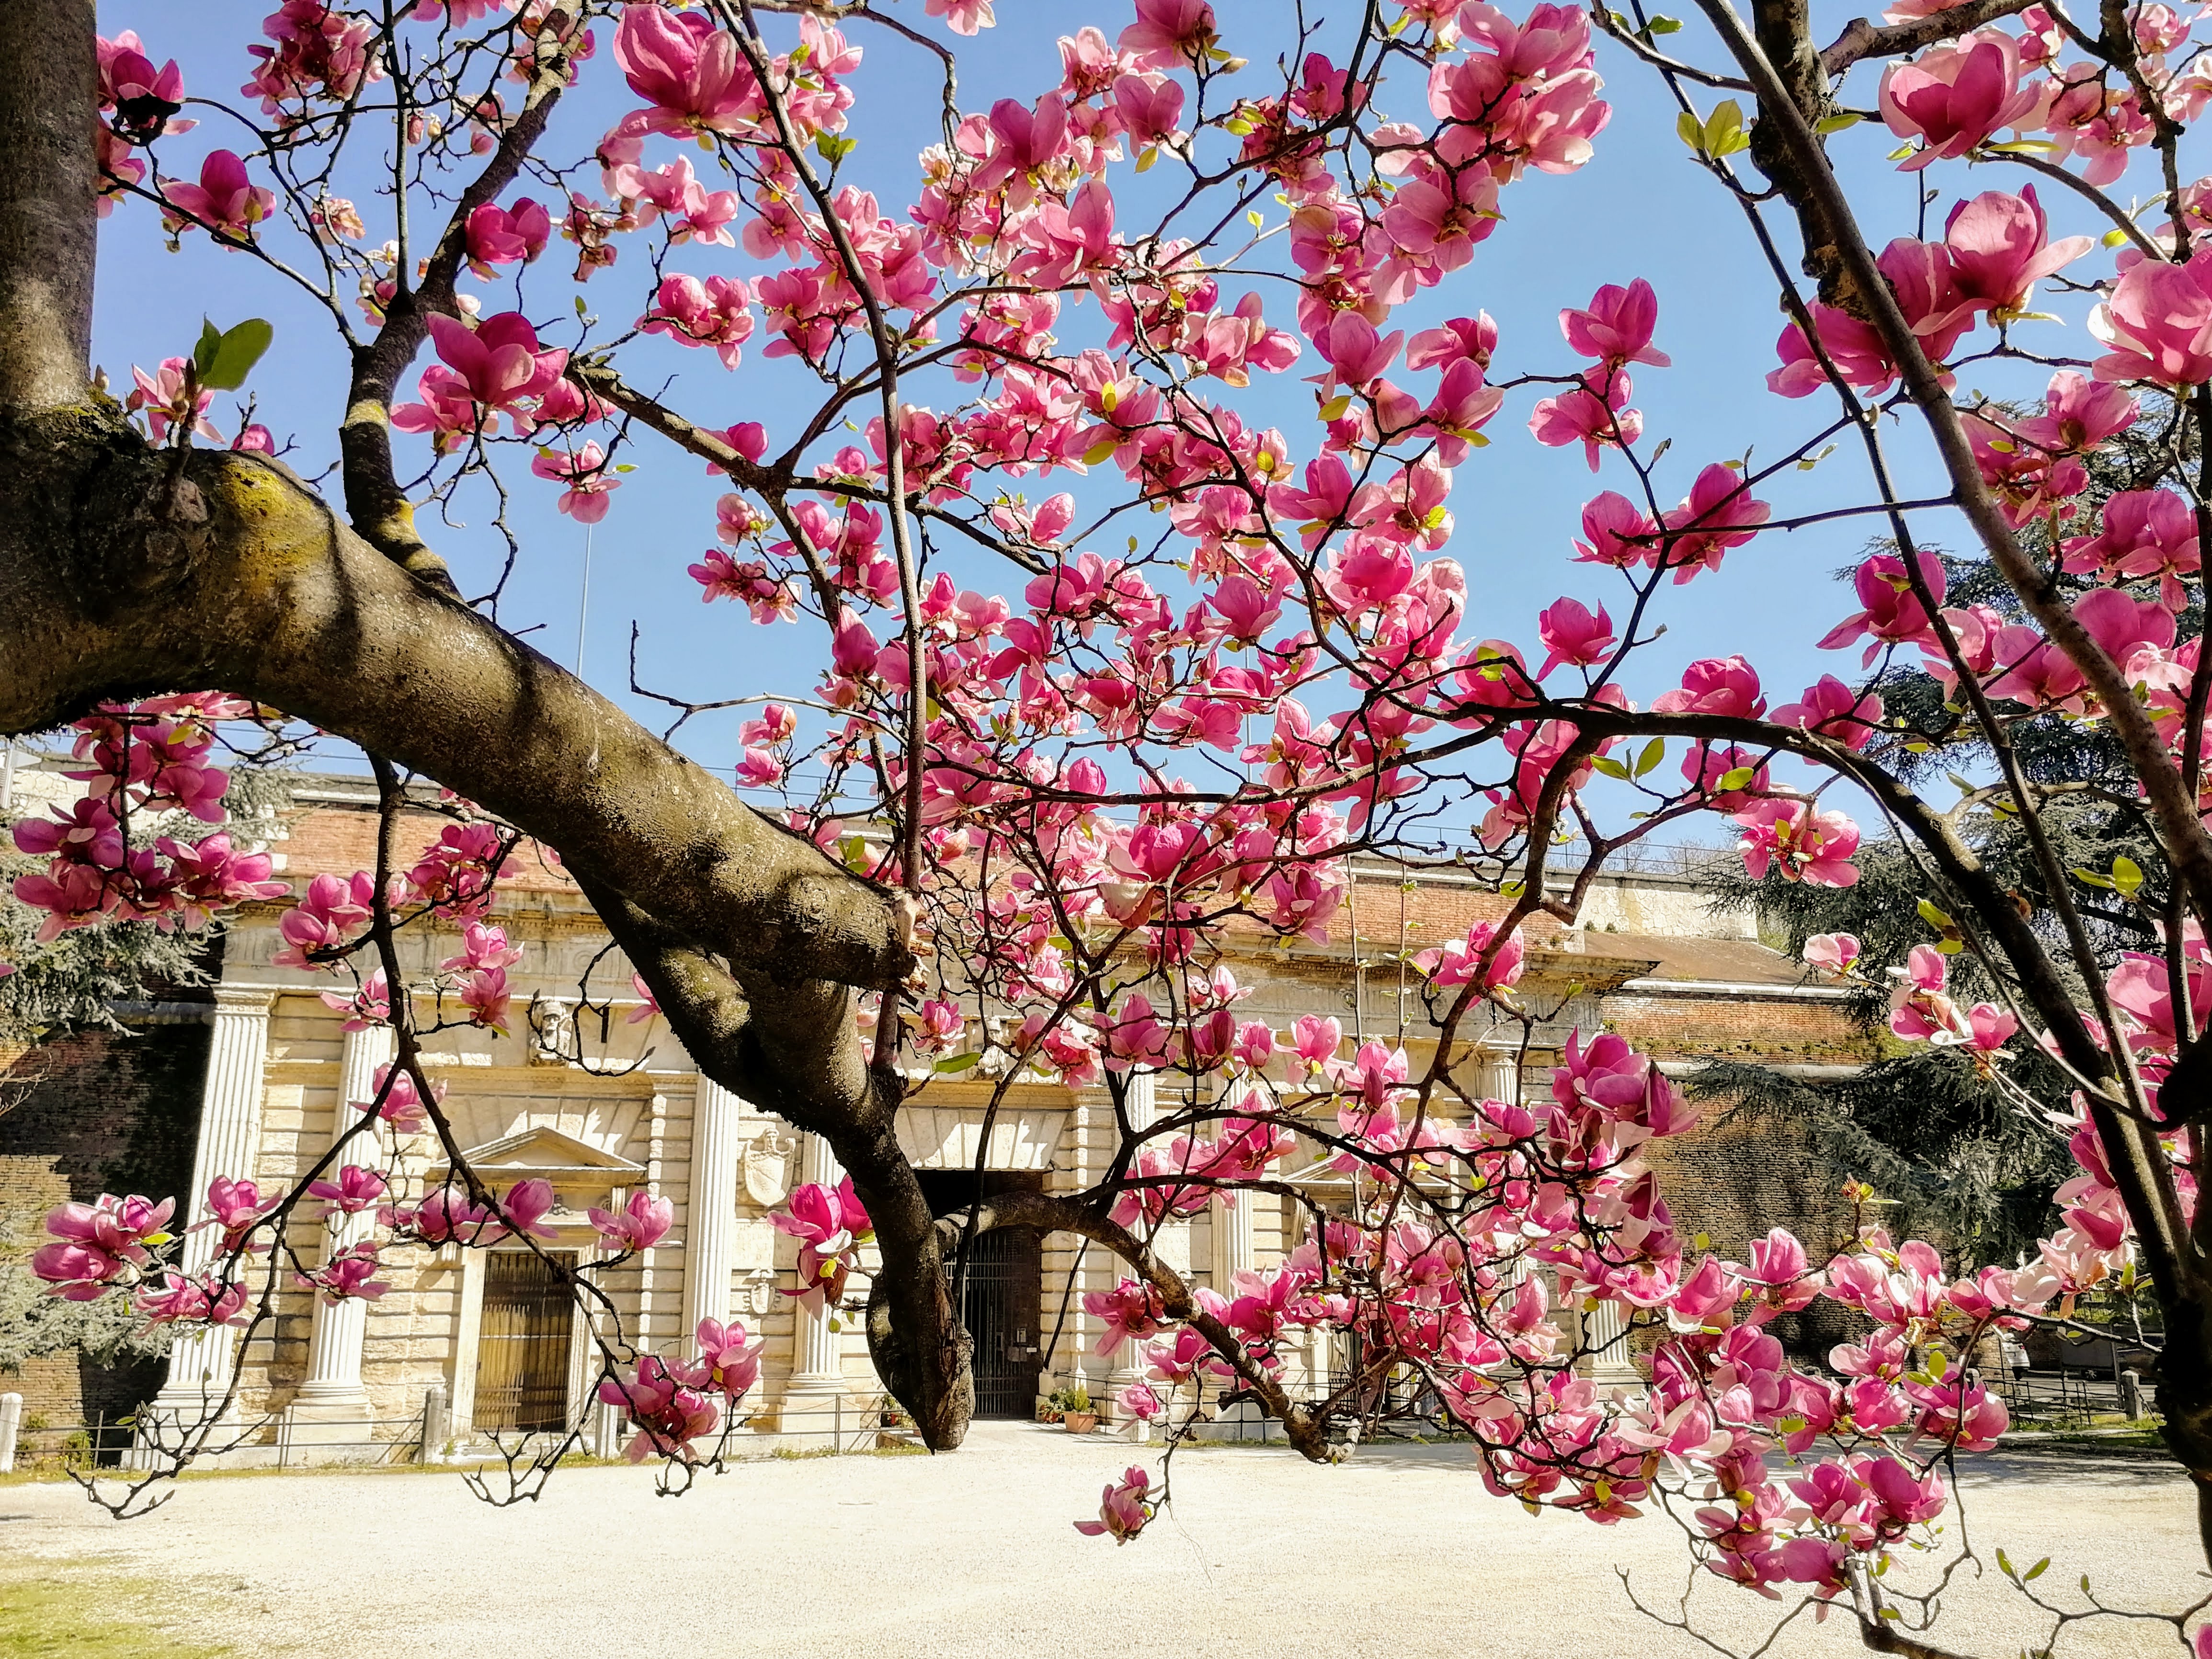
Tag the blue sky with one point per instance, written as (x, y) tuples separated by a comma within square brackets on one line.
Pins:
[(1640, 208)]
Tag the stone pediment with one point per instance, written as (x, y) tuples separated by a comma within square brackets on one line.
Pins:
[(558, 1157)]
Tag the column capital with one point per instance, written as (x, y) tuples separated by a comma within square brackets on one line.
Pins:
[(250, 1001)]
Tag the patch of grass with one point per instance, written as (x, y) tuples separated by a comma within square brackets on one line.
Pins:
[(48, 1612), (798, 1454)]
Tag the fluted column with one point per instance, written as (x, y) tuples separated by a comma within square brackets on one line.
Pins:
[(818, 1351), (332, 1400), (229, 1137), (1139, 1102), (1231, 1216), (711, 1211), (1232, 1219), (1501, 1073)]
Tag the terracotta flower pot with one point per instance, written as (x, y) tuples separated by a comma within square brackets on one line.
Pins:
[(1082, 1422)]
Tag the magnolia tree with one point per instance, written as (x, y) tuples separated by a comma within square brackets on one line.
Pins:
[(1045, 779)]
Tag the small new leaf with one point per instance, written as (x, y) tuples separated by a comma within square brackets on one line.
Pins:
[(224, 360), (1654, 752)]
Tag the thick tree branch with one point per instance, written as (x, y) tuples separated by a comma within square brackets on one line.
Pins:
[(252, 585), (49, 100), (1861, 40), (379, 507)]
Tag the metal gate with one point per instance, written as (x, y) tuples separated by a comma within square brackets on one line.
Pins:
[(522, 1357), (1006, 1291)]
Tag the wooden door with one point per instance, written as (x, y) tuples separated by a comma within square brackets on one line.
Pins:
[(522, 1355)]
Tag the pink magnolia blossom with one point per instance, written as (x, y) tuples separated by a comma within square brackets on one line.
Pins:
[(640, 1225), (1169, 34), (1954, 97), (498, 360), (1798, 843), (962, 16), (1122, 1510), (713, 312), (1999, 250), (96, 1244), (349, 1275), (1892, 612), (831, 1226), (1572, 633), (205, 1300), (1716, 685), (728, 1357), (1833, 953), (688, 69), (1596, 415), (1615, 327), (506, 236), (2158, 323), (667, 1406), (354, 1190), (225, 201), (588, 476)]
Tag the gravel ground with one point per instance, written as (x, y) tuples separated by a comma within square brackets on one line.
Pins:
[(1398, 1553)]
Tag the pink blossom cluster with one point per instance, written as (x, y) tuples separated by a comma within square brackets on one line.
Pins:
[(147, 765)]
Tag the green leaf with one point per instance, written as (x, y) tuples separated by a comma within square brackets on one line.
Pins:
[(2091, 879), (2005, 1563), (1611, 768), (1654, 752), (1737, 777), (1724, 134), (2127, 876), (1838, 122), (835, 149), (1336, 406), (1933, 914), (2025, 147), (1691, 131), (957, 1062), (235, 352), (2035, 1571), (211, 341), (1662, 24)]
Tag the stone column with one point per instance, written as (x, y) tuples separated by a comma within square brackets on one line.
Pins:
[(1139, 1103), (229, 1136), (333, 1406), (1604, 1329), (1501, 1073), (816, 1352), (1231, 1217), (711, 1210)]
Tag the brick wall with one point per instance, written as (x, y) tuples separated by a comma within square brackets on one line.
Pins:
[(94, 1112)]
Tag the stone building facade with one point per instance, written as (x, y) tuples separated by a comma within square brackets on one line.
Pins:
[(278, 1069)]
